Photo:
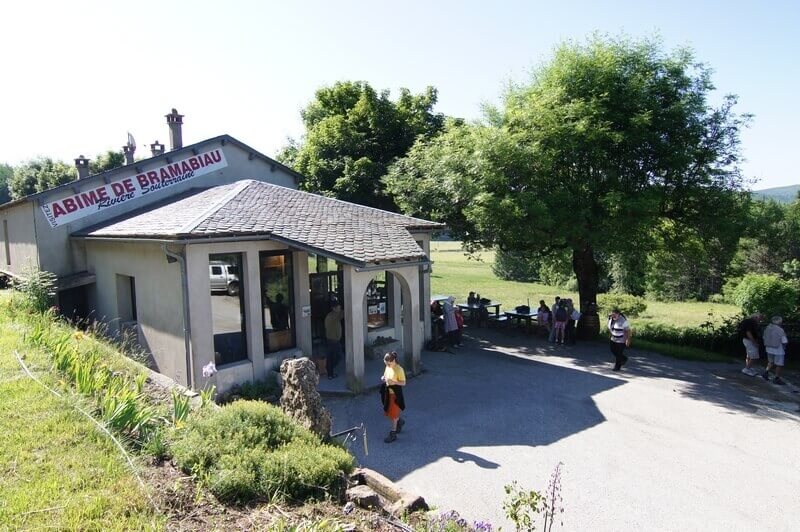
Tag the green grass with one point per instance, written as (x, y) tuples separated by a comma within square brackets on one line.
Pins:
[(455, 274), (56, 469)]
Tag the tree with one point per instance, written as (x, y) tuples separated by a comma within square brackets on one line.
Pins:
[(106, 161), (353, 134), (38, 175), (605, 143), (6, 171)]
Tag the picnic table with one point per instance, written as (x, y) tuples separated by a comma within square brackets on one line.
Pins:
[(474, 310), (528, 317)]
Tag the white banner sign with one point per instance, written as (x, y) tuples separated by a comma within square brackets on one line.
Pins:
[(122, 190)]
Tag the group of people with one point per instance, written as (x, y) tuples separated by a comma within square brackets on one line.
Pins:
[(559, 321), (774, 341), (448, 323)]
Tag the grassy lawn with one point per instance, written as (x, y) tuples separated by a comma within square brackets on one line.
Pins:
[(56, 469), (455, 274)]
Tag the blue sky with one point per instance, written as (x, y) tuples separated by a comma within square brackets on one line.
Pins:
[(78, 75)]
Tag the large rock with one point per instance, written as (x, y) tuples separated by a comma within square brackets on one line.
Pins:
[(364, 496), (300, 399)]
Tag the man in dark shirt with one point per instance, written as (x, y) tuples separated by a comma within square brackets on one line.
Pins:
[(749, 331)]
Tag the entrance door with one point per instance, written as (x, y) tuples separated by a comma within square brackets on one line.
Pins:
[(325, 288)]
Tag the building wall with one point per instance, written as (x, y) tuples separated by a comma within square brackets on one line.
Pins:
[(58, 255), (21, 251), (258, 363), (158, 294)]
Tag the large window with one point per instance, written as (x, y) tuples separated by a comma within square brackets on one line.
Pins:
[(378, 309), (277, 300), (227, 307)]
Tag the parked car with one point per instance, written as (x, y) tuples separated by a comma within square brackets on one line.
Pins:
[(224, 277)]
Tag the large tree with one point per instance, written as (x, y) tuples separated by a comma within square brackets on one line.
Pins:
[(353, 134), (107, 160), (606, 143), (38, 175), (6, 171)]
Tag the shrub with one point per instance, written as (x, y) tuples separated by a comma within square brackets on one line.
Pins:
[(719, 338), (515, 266), (38, 289), (767, 294), (629, 305), (251, 450), (716, 298)]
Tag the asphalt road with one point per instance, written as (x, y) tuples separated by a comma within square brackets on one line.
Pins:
[(663, 445)]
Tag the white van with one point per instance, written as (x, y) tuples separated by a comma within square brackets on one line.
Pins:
[(223, 277)]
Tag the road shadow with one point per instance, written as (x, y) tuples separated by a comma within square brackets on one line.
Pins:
[(475, 398), (722, 384)]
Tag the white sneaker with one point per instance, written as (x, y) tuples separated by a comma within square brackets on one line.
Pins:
[(749, 371)]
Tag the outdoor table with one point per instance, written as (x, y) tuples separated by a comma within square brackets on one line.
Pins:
[(529, 317), (474, 309)]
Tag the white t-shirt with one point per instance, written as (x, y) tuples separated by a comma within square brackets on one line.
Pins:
[(772, 333), (617, 329)]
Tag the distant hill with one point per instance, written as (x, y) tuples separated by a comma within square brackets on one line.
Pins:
[(781, 194)]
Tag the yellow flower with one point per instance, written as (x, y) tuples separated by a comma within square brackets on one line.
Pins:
[(78, 335)]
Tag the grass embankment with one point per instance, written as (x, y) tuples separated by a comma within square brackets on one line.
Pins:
[(57, 470), (456, 274)]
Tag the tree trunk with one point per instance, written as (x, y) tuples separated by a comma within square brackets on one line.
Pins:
[(586, 272)]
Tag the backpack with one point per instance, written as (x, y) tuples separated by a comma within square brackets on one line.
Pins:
[(561, 314)]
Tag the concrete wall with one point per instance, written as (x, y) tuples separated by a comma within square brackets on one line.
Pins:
[(58, 255), (258, 363), (425, 272), (158, 298), (21, 239)]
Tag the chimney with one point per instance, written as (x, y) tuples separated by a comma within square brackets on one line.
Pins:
[(175, 123), (128, 151), (82, 164), (157, 149)]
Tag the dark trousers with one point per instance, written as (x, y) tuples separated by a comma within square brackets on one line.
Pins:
[(569, 332), (333, 355), (618, 350)]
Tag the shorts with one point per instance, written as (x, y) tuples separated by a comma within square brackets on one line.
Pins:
[(751, 348), (560, 325), (778, 360)]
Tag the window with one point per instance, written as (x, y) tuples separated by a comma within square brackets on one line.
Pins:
[(227, 307), (378, 309), (8, 246), (277, 300), (126, 298)]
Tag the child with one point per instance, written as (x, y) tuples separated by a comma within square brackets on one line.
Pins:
[(561, 318), (460, 323), (543, 317), (394, 379)]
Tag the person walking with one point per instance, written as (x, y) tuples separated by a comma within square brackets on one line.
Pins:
[(394, 379), (333, 339), (620, 336), (748, 331), (775, 341)]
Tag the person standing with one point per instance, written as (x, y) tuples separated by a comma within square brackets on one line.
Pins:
[(560, 316), (460, 324), (543, 317), (394, 379), (748, 330), (333, 339), (620, 336), (552, 336), (450, 323), (775, 341)]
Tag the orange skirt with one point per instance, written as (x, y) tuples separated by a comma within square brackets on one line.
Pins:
[(393, 412)]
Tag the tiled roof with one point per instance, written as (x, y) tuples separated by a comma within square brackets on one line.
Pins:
[(361, 234)]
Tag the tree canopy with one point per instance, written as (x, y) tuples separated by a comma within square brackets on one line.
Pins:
[(6, 171), (353, 133), (107, 160), (610, 145), (38, 175)]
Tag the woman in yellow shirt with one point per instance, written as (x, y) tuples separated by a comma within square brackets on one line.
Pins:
[(394, 378)]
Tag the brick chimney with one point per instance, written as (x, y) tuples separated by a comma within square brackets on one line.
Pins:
[(157, 149), (175, 123), (82, 164)]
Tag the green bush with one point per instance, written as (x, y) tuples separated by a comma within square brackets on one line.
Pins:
[(251, 450), (515, 266), (629, 305), (716, 298), (38, 289), (719, 338), (768, 294)]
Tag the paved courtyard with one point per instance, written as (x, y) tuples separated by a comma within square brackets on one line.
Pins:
[(663, 445)]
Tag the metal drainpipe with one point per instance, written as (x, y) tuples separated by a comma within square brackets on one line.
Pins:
[(187, 328)]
